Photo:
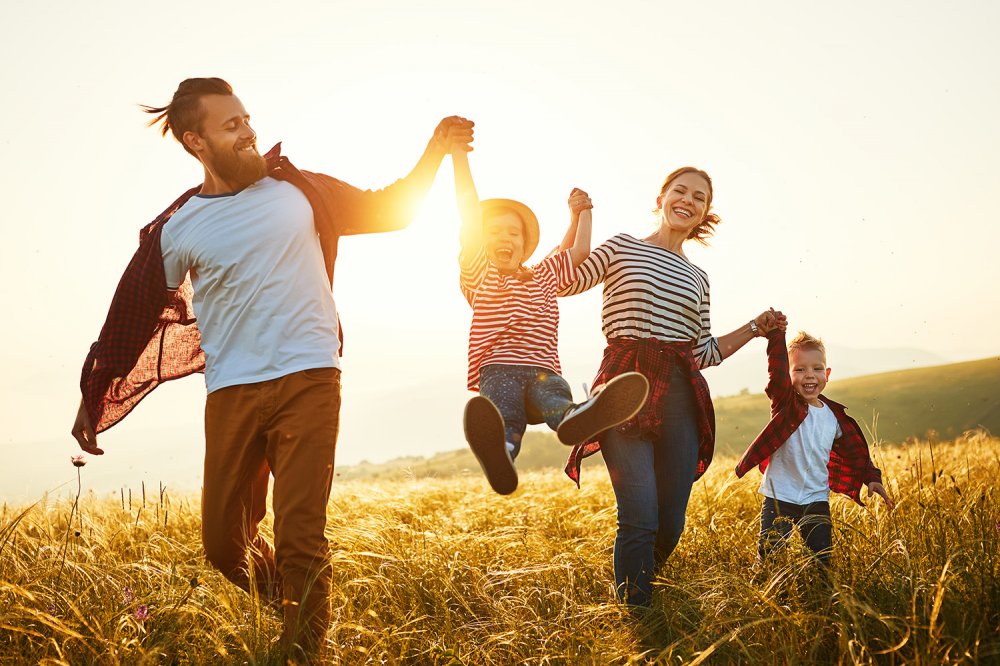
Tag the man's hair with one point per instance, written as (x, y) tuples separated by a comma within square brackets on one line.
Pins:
[(184, 113), (805, 342)]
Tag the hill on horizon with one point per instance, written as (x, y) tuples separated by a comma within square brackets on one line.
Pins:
[(892, 407)]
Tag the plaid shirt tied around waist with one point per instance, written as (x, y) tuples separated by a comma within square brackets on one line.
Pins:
[(655, 360), (850, 464)]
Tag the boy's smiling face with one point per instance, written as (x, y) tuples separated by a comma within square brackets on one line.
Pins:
[(809, 373), (503, 238)]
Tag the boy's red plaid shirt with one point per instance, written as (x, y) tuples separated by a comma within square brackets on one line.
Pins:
[(850, 464)]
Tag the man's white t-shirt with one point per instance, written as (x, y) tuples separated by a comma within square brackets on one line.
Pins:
[(797, 472), (261, 292)]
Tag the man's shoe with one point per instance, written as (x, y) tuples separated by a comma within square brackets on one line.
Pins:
[(484, 431), (619, 400)]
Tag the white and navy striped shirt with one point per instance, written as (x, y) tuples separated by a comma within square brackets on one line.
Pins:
[(650, 292), (514, 322)]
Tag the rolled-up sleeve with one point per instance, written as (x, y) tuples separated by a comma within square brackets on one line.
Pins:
[(706, 349)]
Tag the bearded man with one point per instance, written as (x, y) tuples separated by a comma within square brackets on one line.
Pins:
[(234, 280)]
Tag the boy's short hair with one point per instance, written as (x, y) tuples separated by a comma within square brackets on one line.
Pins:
[(805, 342)]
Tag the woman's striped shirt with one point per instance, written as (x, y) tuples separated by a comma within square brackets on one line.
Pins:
[(514, 322), (650, 292)]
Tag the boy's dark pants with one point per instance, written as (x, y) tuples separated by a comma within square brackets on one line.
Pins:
[(813, 521)]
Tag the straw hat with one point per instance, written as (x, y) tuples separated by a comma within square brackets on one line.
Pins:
[(529, 219)]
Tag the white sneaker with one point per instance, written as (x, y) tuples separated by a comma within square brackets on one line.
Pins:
[(618, 401), (484, 430)]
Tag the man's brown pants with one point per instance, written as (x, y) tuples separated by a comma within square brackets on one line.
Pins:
[(286, 427)]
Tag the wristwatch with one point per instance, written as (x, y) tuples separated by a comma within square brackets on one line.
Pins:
[(754, 329)]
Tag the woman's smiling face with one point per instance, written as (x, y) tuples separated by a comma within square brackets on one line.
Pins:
[(684, 203)]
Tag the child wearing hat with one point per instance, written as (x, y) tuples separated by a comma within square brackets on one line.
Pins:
[(513, 340)]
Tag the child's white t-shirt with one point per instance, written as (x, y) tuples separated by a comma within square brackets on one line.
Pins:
[(797, 472), (261, 292)]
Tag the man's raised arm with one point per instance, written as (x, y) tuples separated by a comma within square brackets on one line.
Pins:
[(393, 207)]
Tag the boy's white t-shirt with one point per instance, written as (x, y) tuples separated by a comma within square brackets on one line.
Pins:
[(261, 293), (797, 472)]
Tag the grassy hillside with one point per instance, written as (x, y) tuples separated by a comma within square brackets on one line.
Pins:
[(440, 571), (944, 400)]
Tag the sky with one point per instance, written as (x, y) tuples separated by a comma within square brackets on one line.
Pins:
[(853, 147)]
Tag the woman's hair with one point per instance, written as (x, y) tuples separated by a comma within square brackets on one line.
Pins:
[(805, 342), (706, 228), (184, 113)]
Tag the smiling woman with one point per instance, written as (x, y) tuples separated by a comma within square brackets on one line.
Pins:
[(656, 319)]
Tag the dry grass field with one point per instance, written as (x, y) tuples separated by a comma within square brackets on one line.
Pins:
[(440, 571)]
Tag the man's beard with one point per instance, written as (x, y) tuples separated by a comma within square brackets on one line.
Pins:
[(239, 169)]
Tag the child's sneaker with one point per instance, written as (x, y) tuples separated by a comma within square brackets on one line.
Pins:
[(485, 433), (619, 400)]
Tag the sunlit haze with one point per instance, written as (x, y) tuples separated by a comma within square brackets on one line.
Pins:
[(853, 147)]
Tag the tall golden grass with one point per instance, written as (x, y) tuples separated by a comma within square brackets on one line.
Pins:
[(441, 571)]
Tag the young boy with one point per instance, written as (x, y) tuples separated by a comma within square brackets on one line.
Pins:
[(810, 446), (513, 340)]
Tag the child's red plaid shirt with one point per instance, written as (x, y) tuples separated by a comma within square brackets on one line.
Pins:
[(850, 464)]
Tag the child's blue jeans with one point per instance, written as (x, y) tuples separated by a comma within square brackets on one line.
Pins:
[(525, 394)]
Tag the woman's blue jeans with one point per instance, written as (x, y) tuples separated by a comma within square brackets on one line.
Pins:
[(652, 482)]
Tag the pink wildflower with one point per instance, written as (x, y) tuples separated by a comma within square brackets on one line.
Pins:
[(78, 461), (141, 613)]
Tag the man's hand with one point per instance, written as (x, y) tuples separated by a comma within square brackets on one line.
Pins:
[(579, 201), (453, 134), (83, 432), (876, 488)]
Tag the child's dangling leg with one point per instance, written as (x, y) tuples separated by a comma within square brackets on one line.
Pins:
[(616, 402), (816, 529), (484, 430), (495, 422), (775, 526)]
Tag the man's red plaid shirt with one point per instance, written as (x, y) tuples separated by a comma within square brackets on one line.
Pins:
[(850, 464), (654, 359), (149, 337)]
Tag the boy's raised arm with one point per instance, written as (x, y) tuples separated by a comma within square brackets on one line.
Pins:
[(779, 382), (471, 233)]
